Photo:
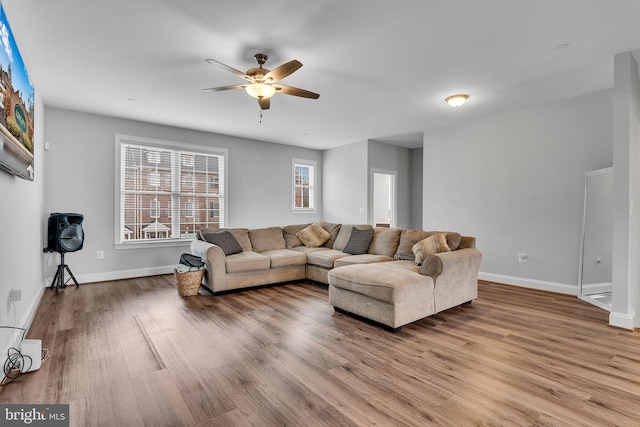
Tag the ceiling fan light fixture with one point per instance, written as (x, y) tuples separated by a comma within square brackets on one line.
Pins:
[(456, 100), (260, 90)]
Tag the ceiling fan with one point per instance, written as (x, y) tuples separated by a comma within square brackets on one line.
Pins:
[(261, 82)]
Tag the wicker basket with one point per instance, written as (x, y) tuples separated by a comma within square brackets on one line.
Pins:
[(189, 282)]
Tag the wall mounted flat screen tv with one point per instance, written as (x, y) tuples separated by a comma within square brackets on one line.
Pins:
[(16, 101)]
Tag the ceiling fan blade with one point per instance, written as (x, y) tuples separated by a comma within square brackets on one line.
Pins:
[(228, 68), (282, 71), (219, 88), (265, 103), (290, 90)]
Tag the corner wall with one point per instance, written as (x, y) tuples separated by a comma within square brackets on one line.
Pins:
[(416, 188), (515, 181), (626, 197)]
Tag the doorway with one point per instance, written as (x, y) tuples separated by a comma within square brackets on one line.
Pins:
[(384, 198)]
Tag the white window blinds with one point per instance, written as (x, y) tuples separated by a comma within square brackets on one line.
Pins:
[(167, 193)]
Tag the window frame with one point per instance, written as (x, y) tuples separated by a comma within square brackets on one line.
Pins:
[(313, 187), (121, 139)]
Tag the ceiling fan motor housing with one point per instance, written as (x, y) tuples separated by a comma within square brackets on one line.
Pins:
[(257, 74)]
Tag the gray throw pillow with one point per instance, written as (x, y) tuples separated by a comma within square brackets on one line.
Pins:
[(225, 240), (359, 241)]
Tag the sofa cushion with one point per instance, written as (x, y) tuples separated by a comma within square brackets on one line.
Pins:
[(313, 235), (391, 282), (385, 241), (290, 238), (305, 250), (325, 258), (266, 239), (359, 241), (332, 228), (242, 236), (361, 259), (408, 238), (285, 257), (225, 240), (247, 261), (345, 232), (431, 245)]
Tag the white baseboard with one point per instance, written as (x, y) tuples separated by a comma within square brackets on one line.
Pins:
[(597, 288), (530, 283), (118, 274), (621, 320)]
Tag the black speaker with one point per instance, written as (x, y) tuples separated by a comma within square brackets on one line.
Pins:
[(65, 232)]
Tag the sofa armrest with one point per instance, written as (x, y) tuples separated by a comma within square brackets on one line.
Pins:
[(214, 259), (455, 276)]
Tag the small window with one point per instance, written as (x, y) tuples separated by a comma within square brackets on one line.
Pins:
[(214, 209), (304, 194), (190, 209), (214, 184), (154, 209)]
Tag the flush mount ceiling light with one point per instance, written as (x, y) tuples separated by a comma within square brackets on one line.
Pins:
[(456, 100)]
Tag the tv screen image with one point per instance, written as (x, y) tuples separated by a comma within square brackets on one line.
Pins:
[(17, 103)]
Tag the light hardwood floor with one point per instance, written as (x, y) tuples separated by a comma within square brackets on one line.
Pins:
[(133, 352)]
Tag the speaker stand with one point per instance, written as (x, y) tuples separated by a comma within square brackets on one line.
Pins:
[(58, 280)]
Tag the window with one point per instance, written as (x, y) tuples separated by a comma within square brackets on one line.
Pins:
[(213, 182), (190, 209), (154, 209), (165, 192), (304, 198), (214, 209)]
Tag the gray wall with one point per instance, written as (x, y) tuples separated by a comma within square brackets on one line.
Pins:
[(345, 194), (22, 236), (515, 181), (80, 178)]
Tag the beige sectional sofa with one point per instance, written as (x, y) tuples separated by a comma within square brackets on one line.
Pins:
[(382, 282)]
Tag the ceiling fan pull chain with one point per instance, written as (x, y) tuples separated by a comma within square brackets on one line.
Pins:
[(260, 116)]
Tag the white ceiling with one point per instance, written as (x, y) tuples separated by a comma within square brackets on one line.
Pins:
[(382, 68)]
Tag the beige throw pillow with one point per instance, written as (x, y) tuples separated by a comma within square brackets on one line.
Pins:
[(429, 246), (313, 236), (290, 231)]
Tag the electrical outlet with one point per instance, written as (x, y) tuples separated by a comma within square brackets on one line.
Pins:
[(100, 254), (522, 257)]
